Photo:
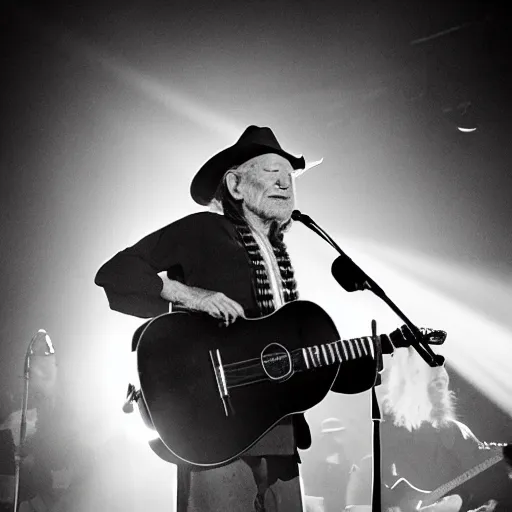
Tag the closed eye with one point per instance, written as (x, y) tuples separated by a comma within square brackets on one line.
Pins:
[(290, 174)]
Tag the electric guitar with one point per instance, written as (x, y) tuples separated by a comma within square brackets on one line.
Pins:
[(212, 392), (410, 498)]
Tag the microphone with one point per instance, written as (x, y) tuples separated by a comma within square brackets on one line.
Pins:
[(41, 344), (350, 277), (353, 278), (297, 215)]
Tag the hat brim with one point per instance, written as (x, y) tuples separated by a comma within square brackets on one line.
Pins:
[(333, 429), (207, 179)]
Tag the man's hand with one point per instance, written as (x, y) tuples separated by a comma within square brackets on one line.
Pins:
[(452, 503), (486, 507), (216, 304)]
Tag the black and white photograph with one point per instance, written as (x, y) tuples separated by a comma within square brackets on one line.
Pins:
[(256, 256)]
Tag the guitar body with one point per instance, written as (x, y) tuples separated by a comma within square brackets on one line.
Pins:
[(405, 496), (181, 390)]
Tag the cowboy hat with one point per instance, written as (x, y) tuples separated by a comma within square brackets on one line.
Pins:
[(255, 141)]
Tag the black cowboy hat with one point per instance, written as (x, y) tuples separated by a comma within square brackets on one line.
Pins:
[(253, 142)]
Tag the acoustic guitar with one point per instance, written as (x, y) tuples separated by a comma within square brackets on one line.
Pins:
[(212, 392)]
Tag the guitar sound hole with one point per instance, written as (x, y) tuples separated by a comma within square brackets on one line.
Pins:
[(276, 361)]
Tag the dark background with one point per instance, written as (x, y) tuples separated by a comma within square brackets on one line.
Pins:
[(107, 110)]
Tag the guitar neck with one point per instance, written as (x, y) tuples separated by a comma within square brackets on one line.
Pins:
[(468, 475), (337, 352), (251, 371)]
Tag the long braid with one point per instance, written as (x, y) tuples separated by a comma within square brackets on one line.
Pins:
[(261, 283), (284, 263)]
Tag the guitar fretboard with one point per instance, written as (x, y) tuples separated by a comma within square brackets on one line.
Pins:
[(250, 371), (446, 488), (337, 352)]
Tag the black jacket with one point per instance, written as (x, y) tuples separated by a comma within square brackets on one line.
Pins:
[(201, 250)]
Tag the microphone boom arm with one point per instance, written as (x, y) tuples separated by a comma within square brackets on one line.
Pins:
[(367, 283)]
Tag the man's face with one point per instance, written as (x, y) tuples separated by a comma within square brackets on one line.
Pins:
[(338, 437), (266, 187)]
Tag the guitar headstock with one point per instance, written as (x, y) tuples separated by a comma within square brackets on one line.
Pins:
[(403, 336), (433, 336), (495, 447)]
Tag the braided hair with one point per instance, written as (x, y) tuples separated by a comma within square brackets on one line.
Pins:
[(232, 210)]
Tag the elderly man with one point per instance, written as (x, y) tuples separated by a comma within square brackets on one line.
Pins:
[(230, 265)]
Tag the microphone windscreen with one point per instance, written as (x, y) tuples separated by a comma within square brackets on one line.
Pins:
[(348, 274)]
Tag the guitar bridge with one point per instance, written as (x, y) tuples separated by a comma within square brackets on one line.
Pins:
[(220, 378)]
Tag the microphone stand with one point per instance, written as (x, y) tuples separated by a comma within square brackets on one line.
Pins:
[(376, 420), (23, 425), (365, 282)]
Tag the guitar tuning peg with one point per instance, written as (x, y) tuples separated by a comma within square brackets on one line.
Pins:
[(484, 445), (433, 336)]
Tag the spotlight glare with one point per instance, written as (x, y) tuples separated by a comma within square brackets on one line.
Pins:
[(137, 428)]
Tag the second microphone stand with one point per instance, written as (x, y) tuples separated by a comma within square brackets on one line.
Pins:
[(41, 338)]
